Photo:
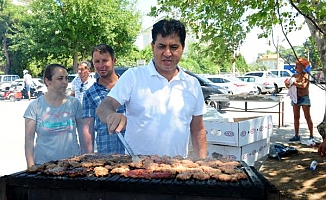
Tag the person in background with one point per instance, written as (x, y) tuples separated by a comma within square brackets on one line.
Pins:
[(103, 59), (322, 148), (301, 82), (83, 81), (54, 117), (28, 83), (322, 131), (164, 105)]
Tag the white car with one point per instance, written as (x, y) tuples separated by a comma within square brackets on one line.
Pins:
[(38, 87), (6, 80), (233, 84), (37, 83), (71, 77), (277, 76), (264, 85)]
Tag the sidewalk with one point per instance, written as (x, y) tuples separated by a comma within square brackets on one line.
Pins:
[(285, 132)]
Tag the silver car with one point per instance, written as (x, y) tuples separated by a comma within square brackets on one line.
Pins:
[(264, 85), (235, 85), (5, 80)]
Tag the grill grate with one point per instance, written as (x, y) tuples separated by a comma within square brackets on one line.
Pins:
[(255, 187)]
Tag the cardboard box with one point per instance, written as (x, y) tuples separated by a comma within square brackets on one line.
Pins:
[(248, 153), (241, 132)]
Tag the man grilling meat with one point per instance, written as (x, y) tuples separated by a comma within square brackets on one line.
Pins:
[(164, 105)]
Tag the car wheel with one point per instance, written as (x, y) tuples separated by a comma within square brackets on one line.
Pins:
[(213, 104), (259, 90), (12, 98)]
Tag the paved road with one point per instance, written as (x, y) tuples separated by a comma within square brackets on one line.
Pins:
[(12, 157), (317, 109)]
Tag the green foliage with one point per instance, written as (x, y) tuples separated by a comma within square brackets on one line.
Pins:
[(135, 55), (11, 19), (241, 65), (308, 50), (64, 31), (222, 25), (146, 54), (198, 60), (55, 31), (190, 64)]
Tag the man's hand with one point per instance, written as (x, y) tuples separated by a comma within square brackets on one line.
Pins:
[(116, 122), (322, 149)]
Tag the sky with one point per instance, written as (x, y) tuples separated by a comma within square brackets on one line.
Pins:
[(252, 46), (145, 6)]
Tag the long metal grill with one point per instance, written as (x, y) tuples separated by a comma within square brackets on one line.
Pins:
[(22, 185)]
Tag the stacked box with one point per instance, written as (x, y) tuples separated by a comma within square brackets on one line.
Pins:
[(245, 139), (248, 153)]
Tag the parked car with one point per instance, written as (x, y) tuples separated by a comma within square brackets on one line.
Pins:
[(277, 76), (5, 80), (264, 86), (120, 70), (237, 86), (317, 77), (70, 78), (282, 75), (38, 87), (207, 86)]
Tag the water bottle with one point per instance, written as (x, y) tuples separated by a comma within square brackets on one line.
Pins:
[(313, 165)]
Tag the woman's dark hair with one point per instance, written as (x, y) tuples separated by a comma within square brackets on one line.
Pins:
[(167, 27), (49, 71)]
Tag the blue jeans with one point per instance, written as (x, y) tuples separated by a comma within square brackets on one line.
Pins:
[(302, 101)]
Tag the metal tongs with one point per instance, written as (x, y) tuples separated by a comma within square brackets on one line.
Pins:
[(134, 157)]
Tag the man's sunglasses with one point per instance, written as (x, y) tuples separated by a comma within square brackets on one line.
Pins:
[(81, 89)]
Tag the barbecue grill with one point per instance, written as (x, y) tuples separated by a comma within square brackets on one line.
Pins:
[(22, 185)]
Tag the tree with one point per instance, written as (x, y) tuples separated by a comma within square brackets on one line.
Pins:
[(66, 30), (312, 53), (287, 54), (11, 16), (224, 24)]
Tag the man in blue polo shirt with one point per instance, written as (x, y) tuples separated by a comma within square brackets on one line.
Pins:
[(103, 58)]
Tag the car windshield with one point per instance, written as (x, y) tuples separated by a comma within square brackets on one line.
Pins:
[(71, 77), (39, 81), (204, 79), (15, 83), (270, 74), (231, 78)]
